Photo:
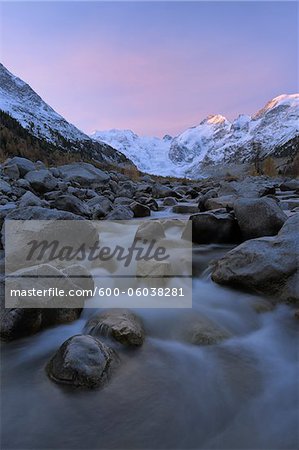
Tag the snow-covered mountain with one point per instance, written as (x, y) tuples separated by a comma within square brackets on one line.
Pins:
[(217, 140), (273, 130), (22, 103), (149, 154)]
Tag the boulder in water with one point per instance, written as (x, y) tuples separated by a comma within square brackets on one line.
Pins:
[(214, 227), (140, 210), (150, 230), (267, 265), (81, 361), (120, 212), (123, 325), (258, 217)]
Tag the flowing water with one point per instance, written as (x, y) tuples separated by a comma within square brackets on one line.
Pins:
[(168, 394)]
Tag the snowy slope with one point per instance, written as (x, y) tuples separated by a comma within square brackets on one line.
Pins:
[(216, 140), (149, 154), (19, 100)]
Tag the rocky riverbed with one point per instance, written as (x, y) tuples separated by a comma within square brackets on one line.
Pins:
[(219, 375)]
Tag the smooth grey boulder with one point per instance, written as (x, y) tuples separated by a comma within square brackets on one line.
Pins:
[(72, 204), (17, 322), (81, 361), (11, 171), (83, 230), (23, 164), (150, 202), (258, 217), (6, 209), (30, 199), (5, 188), (199, 330), (150, 230), (121, 324), (185, 209), (100, 201), (290, 185), (41, 180), (250, 187), (267, 265), (169, 201), (226, 201), (22, 183), (122, 201), (40, 213), (160, 191), (214, 227), (140, 210), (21, 320), (120, 212), (44, 277), (203, 197), (191, 193), (84, 173)]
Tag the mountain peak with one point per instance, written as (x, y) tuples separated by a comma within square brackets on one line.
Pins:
[(215, 119), (287, 100)]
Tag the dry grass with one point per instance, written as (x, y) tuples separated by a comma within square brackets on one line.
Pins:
[(269, 167)]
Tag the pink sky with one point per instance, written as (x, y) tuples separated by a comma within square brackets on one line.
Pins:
[(153, 68)]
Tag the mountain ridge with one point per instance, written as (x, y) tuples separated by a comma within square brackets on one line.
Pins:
[(22, 103)]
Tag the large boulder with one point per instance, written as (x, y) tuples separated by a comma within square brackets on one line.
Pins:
[(290, 185), (17, 322), (30, 199), (226, 201), (23, 164), (5, 188), (258, 217), (121, 324), (203, 197), (160, 191), (140, 210), (150, 202), (267, 265), (199, 330), (214, 227), (120, 212), (72, 204), (85, 174), (150, 230), (169, 201), (123, 201), (82, 231), (41, 180), (11, 171), (40, 213), (5, 210), (99, 202), (81, 361), (250, 187), (185, 209)]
